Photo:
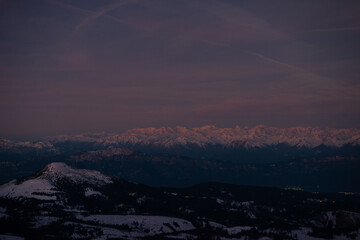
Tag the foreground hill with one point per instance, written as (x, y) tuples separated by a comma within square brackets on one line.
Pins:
[(60, 202)]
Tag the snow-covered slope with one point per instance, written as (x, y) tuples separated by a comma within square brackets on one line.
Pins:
[(140, 223), (58, 171), (43, 185), (37, 188)]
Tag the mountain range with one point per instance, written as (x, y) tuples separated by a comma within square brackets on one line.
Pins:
[(258, 136), (312, 158)]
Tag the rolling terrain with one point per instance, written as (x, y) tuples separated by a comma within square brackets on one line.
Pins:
[(60, 202)]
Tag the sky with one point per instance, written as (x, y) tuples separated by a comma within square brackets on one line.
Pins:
[(73, 66)]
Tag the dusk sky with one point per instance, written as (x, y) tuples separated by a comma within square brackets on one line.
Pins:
[(72, 66)]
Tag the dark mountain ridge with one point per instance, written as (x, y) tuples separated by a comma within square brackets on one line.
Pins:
[(314, 173)]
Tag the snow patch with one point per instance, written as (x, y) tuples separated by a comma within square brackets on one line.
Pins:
[(3, 213), (182, 236), (41, 221), (238, 229), (36, 188), (302, 234), (149, 224), (216, 225), (219, 201), (91, 192), (10, 237)]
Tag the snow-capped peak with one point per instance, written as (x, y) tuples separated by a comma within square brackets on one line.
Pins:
[(44, 185), (58, 170)]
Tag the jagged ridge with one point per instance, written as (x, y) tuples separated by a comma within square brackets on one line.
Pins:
[(259, 136)]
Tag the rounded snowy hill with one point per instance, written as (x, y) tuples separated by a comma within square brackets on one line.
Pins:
[(44, 185), (58, 171)]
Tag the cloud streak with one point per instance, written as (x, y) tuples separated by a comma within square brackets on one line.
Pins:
[(342, 29), (93, 13), (96, 15)]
